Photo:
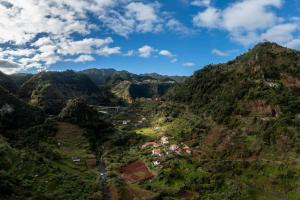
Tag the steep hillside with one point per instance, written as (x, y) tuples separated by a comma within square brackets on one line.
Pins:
[(242, 121), (8, 83), (257, 94), (111, 76), (20, 78), (51, 159), (51, 90), (101, 76), (16, 114), (178, 79), (131, 86)]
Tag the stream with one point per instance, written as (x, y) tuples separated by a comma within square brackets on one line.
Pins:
[(103, 178)]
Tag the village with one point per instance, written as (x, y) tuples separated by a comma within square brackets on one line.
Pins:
[(163, 148)]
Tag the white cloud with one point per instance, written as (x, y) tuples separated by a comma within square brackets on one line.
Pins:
[(134, 17), (210, 18), (145, 51), (201, 3), (107, 51), (189, 64), (85, 46), (282, 33), (144, 15), (82, 58), (8, 67), (250, 15), (44, 30), (178, 27), (219, 52), (295, 43), (247, 21), (166, 53)]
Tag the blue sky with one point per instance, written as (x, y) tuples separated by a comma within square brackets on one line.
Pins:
[(175, 37)]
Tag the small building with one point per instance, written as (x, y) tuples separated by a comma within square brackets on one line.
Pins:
[(150, 144), (144, 119), (187, 149), (174, 147), (164, 140), (156, 152), (76, 159), (125, 122), (156, 163)]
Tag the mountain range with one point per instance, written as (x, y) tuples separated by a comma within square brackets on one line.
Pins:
[(239, 120)]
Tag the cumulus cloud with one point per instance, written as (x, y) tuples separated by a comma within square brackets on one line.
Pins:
[(295, 43), (38, 33), (281, 33), (201, 3), (8, 67), (146, 51), (134, 17), (210, 18), (43, 30), (178, 27), (166, 53), (189, 64), (82, 58), (249, 22)]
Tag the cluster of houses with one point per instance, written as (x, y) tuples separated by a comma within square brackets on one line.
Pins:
[(163, 147), (127, 122)]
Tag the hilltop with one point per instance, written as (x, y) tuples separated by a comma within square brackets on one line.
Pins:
[(8, 83), (51, 90), (129, 86), (257, 94)]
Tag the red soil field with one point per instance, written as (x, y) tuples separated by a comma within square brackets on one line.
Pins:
[(135, 172)]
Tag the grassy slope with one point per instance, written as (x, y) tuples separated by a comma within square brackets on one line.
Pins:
[(52, 174)]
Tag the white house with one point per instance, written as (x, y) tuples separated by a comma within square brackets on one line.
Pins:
[(174, 147), (76, 159), (187, 149), (164, 140), (156, 163), (156, 152)]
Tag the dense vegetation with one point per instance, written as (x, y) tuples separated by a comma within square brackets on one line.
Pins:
[(51, 90), (259, 91), (130, 86), (241, 121), (15, 114), (7, 83)]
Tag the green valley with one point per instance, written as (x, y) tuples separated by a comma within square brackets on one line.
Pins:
[(230, 131)]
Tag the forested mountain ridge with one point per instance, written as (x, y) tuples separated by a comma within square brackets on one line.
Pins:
[(129, 86), (268, 72), (8, 83), (255, 95), (230, 131), (51, 90)]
